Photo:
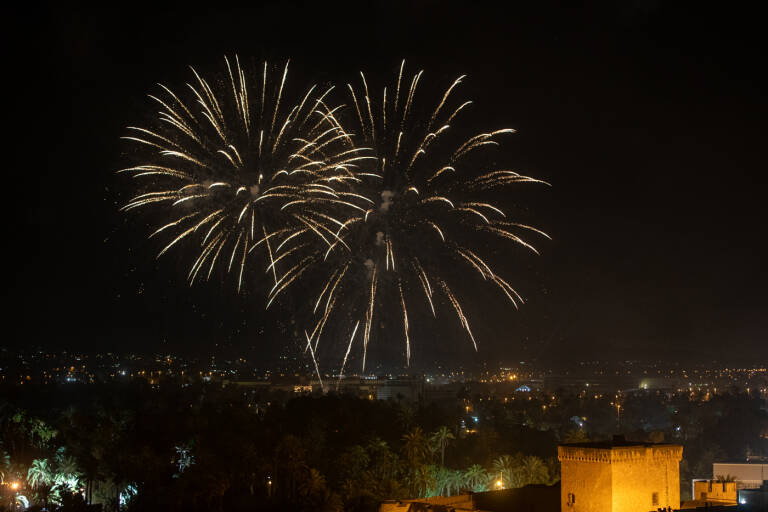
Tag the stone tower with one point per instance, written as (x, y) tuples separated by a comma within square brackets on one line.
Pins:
[(619, 476)]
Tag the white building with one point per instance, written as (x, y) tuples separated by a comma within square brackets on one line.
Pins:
[(748, 475)]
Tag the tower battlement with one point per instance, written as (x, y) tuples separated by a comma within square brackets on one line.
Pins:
[(599, 452), (619, 476)]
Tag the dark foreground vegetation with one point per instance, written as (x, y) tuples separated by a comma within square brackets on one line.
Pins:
[(135, 447)]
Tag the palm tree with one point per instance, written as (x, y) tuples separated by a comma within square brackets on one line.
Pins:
[(383, 462), (553, 470), (405, 414), (39, 474), (575, 436), (512, 470), (353, 462), (289, 466), (534, 470), (441, 438), (505, 465), (476, 478), (423, 479), (66, 465), (377, 444), (417, 451), (5, 464), (456, 482), (314, 484), (41, 477), (724, 479), (316, 495), (440, 481), (416, 447)]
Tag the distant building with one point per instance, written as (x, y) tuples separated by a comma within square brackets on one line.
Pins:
[(447, 394), (747, 475), (410, 389), (619, 476), (362, 387)]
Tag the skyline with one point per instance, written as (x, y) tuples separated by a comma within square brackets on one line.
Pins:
[(650, 137)]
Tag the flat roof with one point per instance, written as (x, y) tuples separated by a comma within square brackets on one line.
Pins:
[(743, 463), (605, 445)]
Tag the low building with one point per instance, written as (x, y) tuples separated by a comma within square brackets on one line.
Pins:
[(712, 492), (748, 475), (619, 476), (403, 388), (531, 498), (462, 502)]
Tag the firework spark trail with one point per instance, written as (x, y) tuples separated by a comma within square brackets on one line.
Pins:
[(369, 316), (405, 325), (269, 251), (459, 311), (346, 355), (314, 360)]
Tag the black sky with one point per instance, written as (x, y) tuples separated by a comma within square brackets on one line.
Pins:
[(647, 117)]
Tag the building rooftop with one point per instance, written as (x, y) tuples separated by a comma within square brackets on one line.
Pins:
[(742, 463), (617, 450), (607, 445), (618, 441)]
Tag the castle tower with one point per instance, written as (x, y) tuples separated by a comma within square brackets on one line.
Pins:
[(619, 476)]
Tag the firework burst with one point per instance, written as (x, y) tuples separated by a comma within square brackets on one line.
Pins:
[(234, 167), (393, 211), (423, 210)]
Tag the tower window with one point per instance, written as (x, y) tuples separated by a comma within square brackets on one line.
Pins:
[(655, 499), (571, 499)]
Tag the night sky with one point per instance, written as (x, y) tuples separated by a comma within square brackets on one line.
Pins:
[(647, 117)]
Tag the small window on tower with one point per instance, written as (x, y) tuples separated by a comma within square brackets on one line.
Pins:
[(571, 499), (655, 499)]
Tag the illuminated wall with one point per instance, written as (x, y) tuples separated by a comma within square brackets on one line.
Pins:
[(721, 493), (601, 477)]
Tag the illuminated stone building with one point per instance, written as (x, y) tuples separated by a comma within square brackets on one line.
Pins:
[(619, 476), (712, 492)]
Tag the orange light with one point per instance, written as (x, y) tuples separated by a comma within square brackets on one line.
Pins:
[(15, 485)]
